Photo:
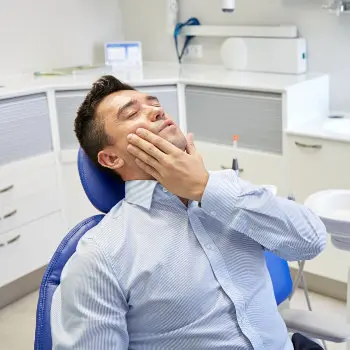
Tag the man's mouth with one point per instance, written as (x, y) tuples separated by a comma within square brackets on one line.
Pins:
[(165, 124)]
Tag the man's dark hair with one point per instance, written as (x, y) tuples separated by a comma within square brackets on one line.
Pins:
[(88, 128)]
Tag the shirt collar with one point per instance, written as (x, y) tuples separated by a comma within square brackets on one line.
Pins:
[(140, 192)]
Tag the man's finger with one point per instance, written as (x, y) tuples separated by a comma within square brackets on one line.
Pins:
[(143, 156), (164, 145), (146, 146), (190, 147), (148, 169)]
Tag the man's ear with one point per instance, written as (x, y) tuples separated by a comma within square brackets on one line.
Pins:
[(110, 160)]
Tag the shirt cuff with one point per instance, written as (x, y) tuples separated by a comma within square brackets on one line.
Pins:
[(220, 194)]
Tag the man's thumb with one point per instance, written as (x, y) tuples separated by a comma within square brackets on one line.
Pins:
[(190, 148)]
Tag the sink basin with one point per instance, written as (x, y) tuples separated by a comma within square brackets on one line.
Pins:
[(338, 126), (333, 207)]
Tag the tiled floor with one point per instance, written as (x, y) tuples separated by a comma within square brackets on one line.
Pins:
[(17, 321)]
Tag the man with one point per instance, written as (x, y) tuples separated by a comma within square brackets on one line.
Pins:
[(178, 264)]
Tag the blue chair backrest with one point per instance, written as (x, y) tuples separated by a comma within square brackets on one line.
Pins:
[(280, 276), (104, 192)]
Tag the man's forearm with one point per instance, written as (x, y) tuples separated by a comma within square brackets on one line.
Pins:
[(284, 227)]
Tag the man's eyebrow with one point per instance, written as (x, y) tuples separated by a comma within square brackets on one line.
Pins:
[(152, 98), (126, 106)]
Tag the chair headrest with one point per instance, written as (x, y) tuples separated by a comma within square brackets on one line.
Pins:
[(103, 190)]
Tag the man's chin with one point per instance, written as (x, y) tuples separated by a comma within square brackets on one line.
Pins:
[(179, 142)]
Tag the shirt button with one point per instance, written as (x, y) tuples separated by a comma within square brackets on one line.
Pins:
[(213, 213), (165, 190), (209, 247)]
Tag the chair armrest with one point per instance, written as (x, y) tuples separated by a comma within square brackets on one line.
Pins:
[(316, 325)]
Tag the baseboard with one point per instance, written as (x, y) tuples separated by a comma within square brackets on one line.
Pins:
[(322, 285), (21, 287)]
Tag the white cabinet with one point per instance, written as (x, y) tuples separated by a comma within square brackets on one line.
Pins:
[(29, 247), (314, 165), (77, 206), (25, 129), (215, 115), (31, 222), (257, 167)]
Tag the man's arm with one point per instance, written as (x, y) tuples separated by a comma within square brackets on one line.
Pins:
[(284, 227), (88, 309)]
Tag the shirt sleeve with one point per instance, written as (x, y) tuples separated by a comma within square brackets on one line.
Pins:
[(88, 309), (284, 227)]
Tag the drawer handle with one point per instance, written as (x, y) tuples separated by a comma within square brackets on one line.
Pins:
[(12, 213), (14, 239), (6, 189), (223, 167), (304, 145)]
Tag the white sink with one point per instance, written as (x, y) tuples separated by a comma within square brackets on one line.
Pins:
[(333, 207), (338, 126)]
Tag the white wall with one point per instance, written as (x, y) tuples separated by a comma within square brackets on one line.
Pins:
[(328, 36), (45, 34)]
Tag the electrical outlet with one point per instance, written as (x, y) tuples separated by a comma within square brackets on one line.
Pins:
[(194, 51)]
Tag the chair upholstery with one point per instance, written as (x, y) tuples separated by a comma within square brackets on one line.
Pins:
[(104, 192), (52, 278), (280, 276), (102, 189)]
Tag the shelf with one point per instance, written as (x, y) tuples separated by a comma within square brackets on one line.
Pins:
[(242, 31)]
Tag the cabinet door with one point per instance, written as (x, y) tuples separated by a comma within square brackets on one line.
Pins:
[(77, 206), (29, 247), (24, 127), (314, 165), (68, 102), (256, 167), (215, 115)]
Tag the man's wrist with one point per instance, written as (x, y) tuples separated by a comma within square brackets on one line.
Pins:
[(200, 188)]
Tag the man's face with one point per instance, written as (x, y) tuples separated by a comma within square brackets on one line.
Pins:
[(123, 113)]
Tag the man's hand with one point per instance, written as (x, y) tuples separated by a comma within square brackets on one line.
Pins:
[(183, 174)]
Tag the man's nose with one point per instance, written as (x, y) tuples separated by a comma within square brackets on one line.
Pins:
[(156, 113)]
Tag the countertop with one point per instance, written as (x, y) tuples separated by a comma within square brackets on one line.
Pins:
[(155, 73), (317, 129), (161, 73)]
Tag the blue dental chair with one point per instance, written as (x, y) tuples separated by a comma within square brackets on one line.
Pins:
[(104, 192)]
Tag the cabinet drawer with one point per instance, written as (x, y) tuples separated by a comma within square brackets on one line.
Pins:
[(31, 247), (24, 127), (316, 164), (68, 102), (215, 115), (257, 167), (15, 185), (22, 211)]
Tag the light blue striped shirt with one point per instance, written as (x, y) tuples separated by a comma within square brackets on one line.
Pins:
[(155, 274)]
